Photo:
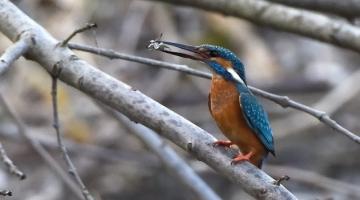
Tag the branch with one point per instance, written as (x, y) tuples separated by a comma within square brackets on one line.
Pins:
[(10, 165), (135, 105), (92, 151), (168, 156), (284, 18), (284, 101), (330, 102), (88, 26), (12, 53), (72, 170), (349, 8), (147, 61), (38, 148), (315, 179)]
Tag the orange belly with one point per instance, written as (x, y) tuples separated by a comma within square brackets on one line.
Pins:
[(225, 109)]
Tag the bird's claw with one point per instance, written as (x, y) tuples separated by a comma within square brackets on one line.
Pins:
[(240, 158)]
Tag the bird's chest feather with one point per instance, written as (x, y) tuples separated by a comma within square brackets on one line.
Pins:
[(223, 96), (225, 107)]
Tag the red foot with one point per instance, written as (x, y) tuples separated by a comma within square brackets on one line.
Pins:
[(241, 157), (222, 143)]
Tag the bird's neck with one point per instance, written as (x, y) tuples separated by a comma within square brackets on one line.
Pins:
[(222, 86), (242, 88)]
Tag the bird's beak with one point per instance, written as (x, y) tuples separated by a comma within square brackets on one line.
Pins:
[(191, 52)]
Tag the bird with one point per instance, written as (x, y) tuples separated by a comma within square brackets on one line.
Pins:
[(235, 109)]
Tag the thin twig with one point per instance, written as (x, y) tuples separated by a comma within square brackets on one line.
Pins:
[(168, 156), (71, 168), (13, 53), (315, 179), (9, 132), (284, 101), (330, 102), (147, 61), (10, 165), (281, 179), (36, 146), (88, 26)]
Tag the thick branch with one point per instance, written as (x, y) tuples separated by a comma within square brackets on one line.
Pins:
[(306, 23), (135, 105), (284, 101), (14, 52), (348, 8), (168, 156)]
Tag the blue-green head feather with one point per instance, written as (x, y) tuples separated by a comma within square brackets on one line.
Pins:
[(221, 60), (227, 55)]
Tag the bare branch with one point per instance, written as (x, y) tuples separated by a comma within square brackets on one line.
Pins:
[(80, 30), (284, 101), (13, 52), (72, 170), (306, 23), (168, 156), (329, 103), (281, 179), (37, 147), (147, 61), (10, 165), (135, 105), (315, 179), (348, 8), (92, 151)]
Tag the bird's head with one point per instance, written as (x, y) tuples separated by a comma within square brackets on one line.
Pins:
[(221, 60)]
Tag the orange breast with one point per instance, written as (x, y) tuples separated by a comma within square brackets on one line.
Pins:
[(225, 108)]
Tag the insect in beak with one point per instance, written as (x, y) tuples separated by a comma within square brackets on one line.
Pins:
[(191, 52)]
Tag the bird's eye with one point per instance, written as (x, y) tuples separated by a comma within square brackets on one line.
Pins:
[(213, 53)]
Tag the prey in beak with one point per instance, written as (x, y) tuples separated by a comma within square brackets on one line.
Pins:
[(185, 51)]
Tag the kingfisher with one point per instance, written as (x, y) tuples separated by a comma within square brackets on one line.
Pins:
[(236, 111)]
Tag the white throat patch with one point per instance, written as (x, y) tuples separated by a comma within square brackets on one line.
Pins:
[(235, 75)]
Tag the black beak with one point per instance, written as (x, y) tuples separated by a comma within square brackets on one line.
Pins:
[(191, 52)]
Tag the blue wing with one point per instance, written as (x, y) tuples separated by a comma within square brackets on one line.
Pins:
[(258, 120)]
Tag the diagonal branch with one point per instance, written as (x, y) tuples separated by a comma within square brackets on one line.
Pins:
[(349, 8), (135, 105), (301, 22), (38, 148), (284, 101), (72, 170), (12, 168), (12, 53), (111, 54), (347, 90), (168, 156), (316, 179)]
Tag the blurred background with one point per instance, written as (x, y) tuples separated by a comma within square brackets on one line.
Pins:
[(116, 165)]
